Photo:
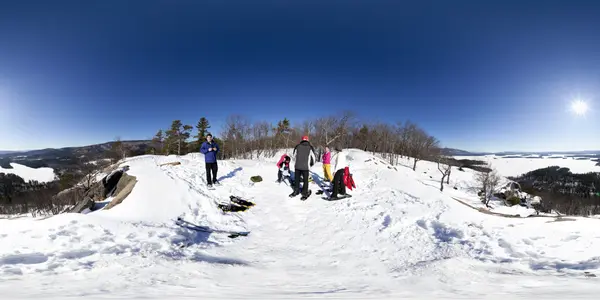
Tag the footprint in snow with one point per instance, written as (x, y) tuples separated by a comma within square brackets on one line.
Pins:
[(23, 259), (571, 238), (387, 220)]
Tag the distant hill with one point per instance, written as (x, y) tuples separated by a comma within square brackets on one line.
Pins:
[(69, 157), (459, 152), (7, 152), (83, 150)]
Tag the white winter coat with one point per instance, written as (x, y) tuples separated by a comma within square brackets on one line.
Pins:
[(340, 161)]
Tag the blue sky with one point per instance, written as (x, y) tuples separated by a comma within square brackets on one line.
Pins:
[(479, 75)]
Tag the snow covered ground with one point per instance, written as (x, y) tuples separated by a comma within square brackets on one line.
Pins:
[(519, 166), (397, 237), (27, 173)]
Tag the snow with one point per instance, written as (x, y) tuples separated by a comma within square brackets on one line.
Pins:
[(518, 166), (27, 173), (397, 237), (101, 161)]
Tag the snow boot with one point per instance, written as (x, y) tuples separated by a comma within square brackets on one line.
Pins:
[(307, 195)]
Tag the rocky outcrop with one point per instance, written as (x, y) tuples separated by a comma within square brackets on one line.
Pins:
[(77, 198), (122, 190), (116, 184), (83, 205)]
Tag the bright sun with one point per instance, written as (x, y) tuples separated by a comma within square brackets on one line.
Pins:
[(579, 107)]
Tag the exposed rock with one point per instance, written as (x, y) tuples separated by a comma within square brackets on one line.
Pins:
[(86, 203), (175, 163), (123, 189)]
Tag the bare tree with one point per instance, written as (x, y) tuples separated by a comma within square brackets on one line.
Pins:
[(121, 149), (421, 145), (331, 128), (236, 131), (487, 183), (445, 168)]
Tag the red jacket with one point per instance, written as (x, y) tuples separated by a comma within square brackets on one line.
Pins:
[(282, 160), (348, 181)]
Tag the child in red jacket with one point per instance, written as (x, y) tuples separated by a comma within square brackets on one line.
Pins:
[(283, 166)]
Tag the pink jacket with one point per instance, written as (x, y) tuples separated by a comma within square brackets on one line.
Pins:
[(327, 158)]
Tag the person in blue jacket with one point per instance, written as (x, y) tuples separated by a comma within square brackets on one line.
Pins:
[(210, 150)]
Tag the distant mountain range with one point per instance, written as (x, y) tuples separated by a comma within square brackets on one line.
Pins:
[(459, 152), (7, 152), (69, 157), (83, 150)]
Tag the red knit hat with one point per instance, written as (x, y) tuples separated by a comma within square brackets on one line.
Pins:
[(305, 138)]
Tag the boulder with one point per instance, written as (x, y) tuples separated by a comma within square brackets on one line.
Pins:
[(122, 190), (85, 203)]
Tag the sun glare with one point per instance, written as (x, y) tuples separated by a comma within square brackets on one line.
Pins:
[(579, 107)]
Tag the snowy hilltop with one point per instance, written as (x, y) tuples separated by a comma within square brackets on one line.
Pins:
[(397, 237)]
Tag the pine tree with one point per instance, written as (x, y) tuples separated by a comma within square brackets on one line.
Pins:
[(177, 136), (363, 137), (202, 127), (283, 131), (158, 142)]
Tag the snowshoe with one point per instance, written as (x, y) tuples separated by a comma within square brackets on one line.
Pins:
[(192, 226), (217, 183), (340, 197), (319, 192), (294, 194), (232, 207), (240, 201), (211, 187)]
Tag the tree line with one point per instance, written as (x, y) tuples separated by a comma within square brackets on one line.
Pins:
[(244, 138)]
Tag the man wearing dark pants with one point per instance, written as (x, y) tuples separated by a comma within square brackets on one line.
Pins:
[(210, 150), (305, 158)]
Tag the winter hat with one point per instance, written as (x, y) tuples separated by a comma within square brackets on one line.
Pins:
[(305, 138)]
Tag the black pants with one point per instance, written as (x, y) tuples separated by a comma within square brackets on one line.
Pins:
[(214, 168), (280, 174), (304, 175), (338, 184)]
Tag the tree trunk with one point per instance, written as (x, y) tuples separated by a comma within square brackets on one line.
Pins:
[(449, 172), (415, 164), (442, 183)]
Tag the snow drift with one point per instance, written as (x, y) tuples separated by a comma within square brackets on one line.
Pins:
[(398, 236)]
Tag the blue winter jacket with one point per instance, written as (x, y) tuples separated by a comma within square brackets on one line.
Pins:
[(209, 156)]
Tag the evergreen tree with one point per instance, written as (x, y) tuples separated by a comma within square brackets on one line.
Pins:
[(177, 136), (202, 127), (158, 142), (283, 132), (363, 137)]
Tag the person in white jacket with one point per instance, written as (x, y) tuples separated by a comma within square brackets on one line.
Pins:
[(340, 160)]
